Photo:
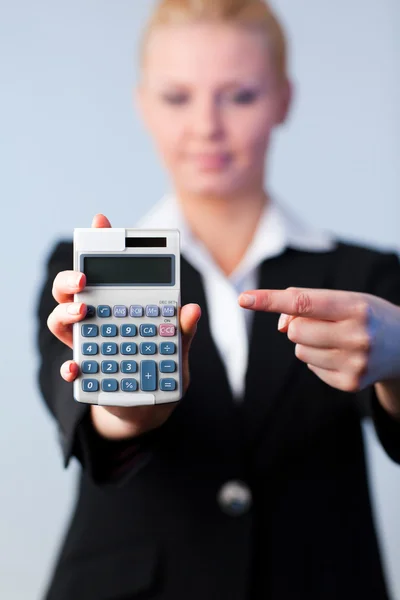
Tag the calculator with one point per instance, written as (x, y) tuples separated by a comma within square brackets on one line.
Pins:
[(128, 347)]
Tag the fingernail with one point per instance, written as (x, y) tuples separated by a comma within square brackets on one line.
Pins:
[(74, 280), (283, 321), (247, 300), (74, 309)]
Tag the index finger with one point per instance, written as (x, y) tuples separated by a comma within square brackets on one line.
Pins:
[(66, 284), (330, 305)]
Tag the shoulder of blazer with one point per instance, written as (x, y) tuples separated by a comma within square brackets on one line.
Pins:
[(61, 252), (366, 269)]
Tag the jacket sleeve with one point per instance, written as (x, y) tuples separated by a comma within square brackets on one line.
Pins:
[(385, 283), (104, 460)]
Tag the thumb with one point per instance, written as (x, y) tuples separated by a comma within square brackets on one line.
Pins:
[(100, 221), (189, 316)]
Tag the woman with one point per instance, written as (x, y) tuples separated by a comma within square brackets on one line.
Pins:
[(254, 486)]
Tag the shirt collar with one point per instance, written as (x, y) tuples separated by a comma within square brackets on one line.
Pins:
[(278, 229)]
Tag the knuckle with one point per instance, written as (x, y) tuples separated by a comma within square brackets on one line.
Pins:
[(303, 303), (266, 302), (293, 331), (362, 310), (299, 351), (359, 363), (50, 321), (351, 383), (363, 342)]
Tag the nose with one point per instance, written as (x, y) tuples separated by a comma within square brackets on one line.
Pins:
[(206, 119)]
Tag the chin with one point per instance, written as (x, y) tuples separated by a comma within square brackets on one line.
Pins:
[(225, 186)]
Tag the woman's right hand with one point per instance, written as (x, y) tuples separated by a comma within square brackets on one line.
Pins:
[(113, 422)]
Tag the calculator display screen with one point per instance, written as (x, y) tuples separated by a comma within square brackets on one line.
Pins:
[(129, 270)]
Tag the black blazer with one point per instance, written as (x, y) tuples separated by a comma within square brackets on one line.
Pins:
[(159, 533)]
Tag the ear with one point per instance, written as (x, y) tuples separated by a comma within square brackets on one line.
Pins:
[(285, 102)]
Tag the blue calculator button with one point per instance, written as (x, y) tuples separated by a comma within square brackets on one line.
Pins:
[(109, 366), (148, 348), (90, 311), (109, 385), (168, 311), (167, 366), (167, 385), (152, 311), (89, 330), (136, 311), (148, 376), (104, 311), (128, 348), (120, 311), (109, 330), (90, 385), (148, 330), (89, 349), (129, 385), (109, 348), (128, 366), (89, 366), (167, 348), (128, 330)]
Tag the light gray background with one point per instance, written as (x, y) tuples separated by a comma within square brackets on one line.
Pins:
[(71, 146)]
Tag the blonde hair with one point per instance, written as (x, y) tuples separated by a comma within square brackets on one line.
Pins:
[(253, 14)]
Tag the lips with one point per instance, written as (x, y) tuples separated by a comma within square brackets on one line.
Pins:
[(210, 161)]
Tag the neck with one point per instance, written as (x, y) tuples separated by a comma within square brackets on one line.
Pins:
[(225, 225)]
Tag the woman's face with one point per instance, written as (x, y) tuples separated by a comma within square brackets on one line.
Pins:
[(211, 97)]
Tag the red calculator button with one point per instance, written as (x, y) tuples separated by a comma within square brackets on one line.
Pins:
[(167, 330)]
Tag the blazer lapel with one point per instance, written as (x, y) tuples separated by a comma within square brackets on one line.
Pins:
[(272, 361)]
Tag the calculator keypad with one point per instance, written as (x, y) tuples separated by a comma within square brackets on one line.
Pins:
[(147, 373)]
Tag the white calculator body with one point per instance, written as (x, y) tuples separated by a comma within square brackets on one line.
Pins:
[(128, 347)]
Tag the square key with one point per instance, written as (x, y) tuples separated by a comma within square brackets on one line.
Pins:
[(109, 385), (136, 311), (128, 348), (148, 348), (167, 385), (90, 385), (109, 348), (90, 349), (128, 366), (90, 311), (89, 330), (129, 385), (109, 366), (152, 311), (89, 366), (167, 348), (167, 366), (148, 330), (167, 330), (104, 311), (128, 330), (109, 330), (168, 311), (120, 311)]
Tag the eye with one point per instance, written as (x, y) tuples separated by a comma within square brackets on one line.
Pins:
[(175, 99), (245, 97)]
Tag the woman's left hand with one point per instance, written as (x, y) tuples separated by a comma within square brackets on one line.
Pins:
[(349, 339)]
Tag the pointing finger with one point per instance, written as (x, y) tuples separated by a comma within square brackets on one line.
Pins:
[(331, 305)]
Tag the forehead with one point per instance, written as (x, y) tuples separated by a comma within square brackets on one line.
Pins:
[(203, 53)]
